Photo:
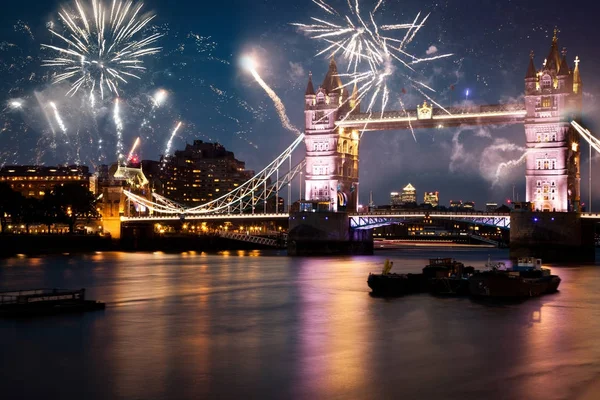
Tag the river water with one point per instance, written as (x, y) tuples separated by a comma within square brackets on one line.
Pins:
[(262, 325)]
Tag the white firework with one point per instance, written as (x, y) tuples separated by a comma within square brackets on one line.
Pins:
[(372, 54), (102, 48)]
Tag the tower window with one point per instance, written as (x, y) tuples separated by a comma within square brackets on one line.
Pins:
[(546, 82), (547, 102)]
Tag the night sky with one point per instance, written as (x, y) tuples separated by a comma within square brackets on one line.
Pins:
[(216, 100)]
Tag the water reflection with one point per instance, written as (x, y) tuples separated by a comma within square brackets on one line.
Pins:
[(249, 324)]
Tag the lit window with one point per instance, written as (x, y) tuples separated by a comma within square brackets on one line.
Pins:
[(547, 102)]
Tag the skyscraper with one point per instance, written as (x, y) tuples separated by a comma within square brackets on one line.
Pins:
[(409, 194)]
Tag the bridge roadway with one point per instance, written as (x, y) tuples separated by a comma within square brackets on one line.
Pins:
[(435, 117), (367, 220)]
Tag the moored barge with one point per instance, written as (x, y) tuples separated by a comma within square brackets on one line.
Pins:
[(45, 302), (526, 279), (392, 284)]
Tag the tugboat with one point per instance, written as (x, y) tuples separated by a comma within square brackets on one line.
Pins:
[(45, 301), (526, 279), (392, 284)]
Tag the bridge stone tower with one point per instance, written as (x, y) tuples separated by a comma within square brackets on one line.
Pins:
[(553, 98), (331, 152)]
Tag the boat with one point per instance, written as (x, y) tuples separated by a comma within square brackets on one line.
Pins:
[(452, 280), (392, 284), (526, 279), (44, 301)]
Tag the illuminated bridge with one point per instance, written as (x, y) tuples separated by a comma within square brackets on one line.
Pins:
[(334, 127), (428, 117), (368, 220)]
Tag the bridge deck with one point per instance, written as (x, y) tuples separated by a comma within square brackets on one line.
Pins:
[(479, 115)]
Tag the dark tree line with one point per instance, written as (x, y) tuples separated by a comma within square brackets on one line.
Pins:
[(65, 204)]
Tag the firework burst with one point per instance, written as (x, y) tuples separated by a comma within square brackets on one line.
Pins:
[(374, 53), (103, 48)]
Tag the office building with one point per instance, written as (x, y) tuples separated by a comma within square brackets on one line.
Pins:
[(431, 198), (409, 194), (202, 172), (35, 181)]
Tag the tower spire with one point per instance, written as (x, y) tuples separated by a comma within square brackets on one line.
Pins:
[(531, 71), (576, 77), (564, 66), (553, 59), (310, 90), (332, 80)]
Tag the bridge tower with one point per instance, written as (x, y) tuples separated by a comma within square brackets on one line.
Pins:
[(331, 153), (553, 98)]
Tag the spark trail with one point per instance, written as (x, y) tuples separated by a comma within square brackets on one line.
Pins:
[(135, 145), (168, 148), (119, 128), (58, 118), (249, 63), (101, 48)]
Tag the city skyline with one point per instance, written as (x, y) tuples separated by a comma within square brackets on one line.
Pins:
[(453, 161)]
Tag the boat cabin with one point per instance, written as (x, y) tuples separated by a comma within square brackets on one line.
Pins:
[(529, 262)]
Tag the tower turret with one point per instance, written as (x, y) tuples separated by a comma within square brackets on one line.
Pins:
[(309, 95), (531, 78)]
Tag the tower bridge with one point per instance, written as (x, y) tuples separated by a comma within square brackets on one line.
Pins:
[(332, 134)]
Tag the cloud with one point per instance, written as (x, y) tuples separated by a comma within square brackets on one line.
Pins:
[(296, 71), (431, 50)]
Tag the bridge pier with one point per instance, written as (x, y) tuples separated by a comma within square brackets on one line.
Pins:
[(552, 236), (326, 233)]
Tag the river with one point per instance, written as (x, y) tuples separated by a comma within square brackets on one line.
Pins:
[(262, 325)]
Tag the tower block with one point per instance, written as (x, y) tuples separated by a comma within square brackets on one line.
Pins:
[(553, 98), (331, 153)]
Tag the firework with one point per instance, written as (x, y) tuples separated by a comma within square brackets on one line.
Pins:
[(372, 53), (58, 118), (119, 127), (16, 104), (250, 64), (102, 48), (135, 145), (159, 97), (168, 148)]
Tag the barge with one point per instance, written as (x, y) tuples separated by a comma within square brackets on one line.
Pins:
[(44, 301)]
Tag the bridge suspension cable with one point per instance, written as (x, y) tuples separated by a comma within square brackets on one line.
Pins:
[(587, 135), (246, 196)]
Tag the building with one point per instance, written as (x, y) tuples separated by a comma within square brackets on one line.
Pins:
[(409, 194), (431, 198), (469, 205), (35, 180), (395, 199), (456, 204), (331, 152), (202, 172), (491, 207), (553, 96)]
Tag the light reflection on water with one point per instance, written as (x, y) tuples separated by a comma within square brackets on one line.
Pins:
[(249, 324)]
